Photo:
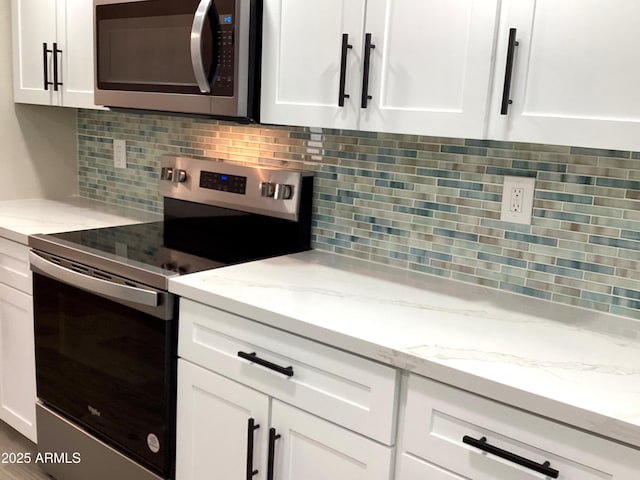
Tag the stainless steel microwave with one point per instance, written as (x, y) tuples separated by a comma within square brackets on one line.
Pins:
[(189, 56)]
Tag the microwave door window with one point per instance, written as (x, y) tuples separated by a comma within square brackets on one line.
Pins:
[(146, 46)]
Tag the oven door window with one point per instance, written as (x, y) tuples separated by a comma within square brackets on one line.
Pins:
[(147, 45), (106, 367)]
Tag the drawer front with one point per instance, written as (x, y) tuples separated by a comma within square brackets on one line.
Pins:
[(351, 391), (14, 265), (437, 418)]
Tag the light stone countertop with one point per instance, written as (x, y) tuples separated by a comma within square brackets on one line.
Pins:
[(572, 365), (21, 218)]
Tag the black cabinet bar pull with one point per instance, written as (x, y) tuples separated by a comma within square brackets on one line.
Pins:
[(56, 83), (482, 444), (45, 57), (251, 427), (273, 436), (506, 91), (368, 46), (253, 357), (343, 69)]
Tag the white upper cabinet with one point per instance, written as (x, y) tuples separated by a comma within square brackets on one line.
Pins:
[(302, 60), (53, 52), (575, 73), (426, 64), (430, 70)]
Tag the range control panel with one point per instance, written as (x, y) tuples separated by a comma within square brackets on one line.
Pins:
[(223, 182), (271, 191)]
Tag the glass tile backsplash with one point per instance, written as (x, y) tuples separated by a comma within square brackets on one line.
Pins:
[(426, 204)]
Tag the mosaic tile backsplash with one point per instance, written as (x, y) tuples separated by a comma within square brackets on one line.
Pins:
[(426, 204)]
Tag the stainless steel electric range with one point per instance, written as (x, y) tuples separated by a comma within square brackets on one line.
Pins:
[(106, 326)]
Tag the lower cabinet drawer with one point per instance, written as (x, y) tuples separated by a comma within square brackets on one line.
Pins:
[(14, 265), (348, 390), (449, 434)]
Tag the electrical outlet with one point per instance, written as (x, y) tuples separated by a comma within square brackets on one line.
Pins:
[(120, 153), (517, 199)]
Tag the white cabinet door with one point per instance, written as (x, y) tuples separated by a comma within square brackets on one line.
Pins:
[(310, 448), (75, 18), (17, 362), (68, 24), (430, 70), (213, 416), (575, 74), (301, 62), (33, 23)]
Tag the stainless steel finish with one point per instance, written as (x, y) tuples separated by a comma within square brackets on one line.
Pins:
[(267, 189), (166, 173), (252, 201), (235, 106), (106, 288), (178, 176), (137, 273), (283, 192), (97, 460), (197, 61)]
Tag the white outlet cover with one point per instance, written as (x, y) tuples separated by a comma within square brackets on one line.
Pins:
[(528, 185)]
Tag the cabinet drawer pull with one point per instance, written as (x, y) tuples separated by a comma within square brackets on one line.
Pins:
[(544, 468), (368, 46), (253, 357), (273, 436), (343, 69), (506, 91), (251, 427)]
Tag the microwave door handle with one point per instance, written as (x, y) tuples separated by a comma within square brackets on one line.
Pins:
[(140, 296), (197, 29)]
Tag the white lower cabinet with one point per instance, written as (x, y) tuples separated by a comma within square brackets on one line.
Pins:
[(310, 412), (449, 434), (17, 361), (17, 354)]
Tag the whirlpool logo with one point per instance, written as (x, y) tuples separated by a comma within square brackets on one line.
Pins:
[(93, 411)]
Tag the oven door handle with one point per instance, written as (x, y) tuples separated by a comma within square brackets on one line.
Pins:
[(91, 284)]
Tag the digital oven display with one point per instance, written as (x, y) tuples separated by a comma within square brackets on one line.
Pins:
[(223, 182)]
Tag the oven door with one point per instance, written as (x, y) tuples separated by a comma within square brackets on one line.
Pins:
[(107, 367), (169, 55)]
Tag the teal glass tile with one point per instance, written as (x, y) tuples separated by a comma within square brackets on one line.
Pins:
[(489, 144), (472, 237), (390, 231), (510, 172), (539, 166), (514, 262), (460, 184), (565, 272), (556, 215), (413, 211), (566, 178), (614, 242), (564, 197), (522, 237), (531, 292), (591, 267), (492, 197), (630, 234), (635, 155), (624, 292), (435, 206), (392, 184), (478, 151), (597, 152), (432, 172), (423, 256), (617, 183)]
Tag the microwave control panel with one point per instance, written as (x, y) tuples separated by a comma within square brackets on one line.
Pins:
[(223, 85)]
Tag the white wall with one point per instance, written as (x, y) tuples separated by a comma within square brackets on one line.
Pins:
[(38, 145)]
